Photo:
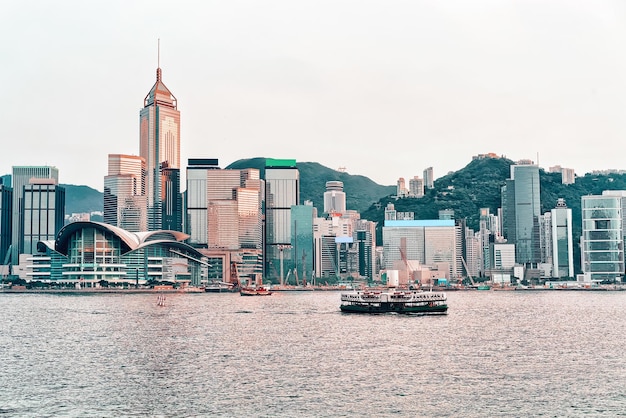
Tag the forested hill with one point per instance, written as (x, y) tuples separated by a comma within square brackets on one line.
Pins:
[(478, 185), (361, 192), (475, 186)]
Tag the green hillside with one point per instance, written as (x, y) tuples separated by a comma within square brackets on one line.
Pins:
[(475, 186), (82, 199), (361, 192)]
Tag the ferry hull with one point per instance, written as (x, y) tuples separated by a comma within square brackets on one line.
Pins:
[(397, 308)]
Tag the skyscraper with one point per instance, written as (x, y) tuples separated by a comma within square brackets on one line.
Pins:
[(416, 187), (562, 242), (22, 176), (224, 218), (42, 214), (429, 178), (6, 201), (124, 193), (334, 197), (282, 191), (521, 210), (602, 241), (159, 125)]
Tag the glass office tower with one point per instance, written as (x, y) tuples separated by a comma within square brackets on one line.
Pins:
[(21, 177), (42, 215), (282, 191), (6, 202), (302, 242), (602, 243), (521, 210)]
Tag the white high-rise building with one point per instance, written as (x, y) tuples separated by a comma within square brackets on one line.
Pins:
[(602, 241), (416, 187), (334, 197)]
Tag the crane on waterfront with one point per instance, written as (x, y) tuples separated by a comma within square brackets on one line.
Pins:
[(469, 275)]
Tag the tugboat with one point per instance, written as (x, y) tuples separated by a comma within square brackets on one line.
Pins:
[(256, 288), (255, 291)]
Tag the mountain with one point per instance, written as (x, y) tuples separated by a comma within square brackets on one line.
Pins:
[(466, 191), (361, 192), (82, 199)]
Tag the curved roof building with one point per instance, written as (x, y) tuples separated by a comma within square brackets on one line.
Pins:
[(94, 252)]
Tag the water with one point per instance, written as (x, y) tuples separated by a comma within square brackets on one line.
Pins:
[(551, 353)]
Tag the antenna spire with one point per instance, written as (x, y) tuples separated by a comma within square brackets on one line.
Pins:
[(158, 59)]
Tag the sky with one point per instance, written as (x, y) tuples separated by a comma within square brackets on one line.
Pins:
[(384, 88)]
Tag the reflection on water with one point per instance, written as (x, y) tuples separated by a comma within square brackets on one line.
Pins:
[(294, 354)]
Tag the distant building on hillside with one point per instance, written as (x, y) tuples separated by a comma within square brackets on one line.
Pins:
[(568, 176), (429, 178), (416, 187)]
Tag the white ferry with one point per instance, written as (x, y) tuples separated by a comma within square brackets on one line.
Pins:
[(394, 300)]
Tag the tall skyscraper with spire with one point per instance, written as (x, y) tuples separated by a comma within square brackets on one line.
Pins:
[(159, 125)]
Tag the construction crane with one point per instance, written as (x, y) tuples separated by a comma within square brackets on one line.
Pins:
[(407, 263), (469, 276)]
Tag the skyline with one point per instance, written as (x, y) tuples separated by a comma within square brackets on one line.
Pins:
[(422, 83)]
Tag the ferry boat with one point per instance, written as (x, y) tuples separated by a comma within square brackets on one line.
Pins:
[(394, 300)]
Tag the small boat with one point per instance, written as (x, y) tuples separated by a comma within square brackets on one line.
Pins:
[(254, 291), (161, 300), (220, 287), (397, 301)]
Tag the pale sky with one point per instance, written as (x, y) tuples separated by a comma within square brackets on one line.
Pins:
[(384, 88)]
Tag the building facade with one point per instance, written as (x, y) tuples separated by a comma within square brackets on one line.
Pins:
[(21, 177), (428, 242), (6, 207), (562, 241), (334, 197), (302, 243), (521, 210), (224, 218), (282, 191), (42, 215), (429, 178), (416, 187), (159, 125), (602, 241), (125, 204), (94, 254)]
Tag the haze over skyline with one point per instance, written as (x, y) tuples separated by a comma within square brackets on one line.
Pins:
[(384, 89)]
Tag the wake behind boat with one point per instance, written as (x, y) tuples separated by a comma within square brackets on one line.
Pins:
[(393, 300)]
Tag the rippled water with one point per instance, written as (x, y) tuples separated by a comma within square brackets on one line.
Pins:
[(550, 353)]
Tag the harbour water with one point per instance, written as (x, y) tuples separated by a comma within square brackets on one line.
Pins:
[(519, 353)]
